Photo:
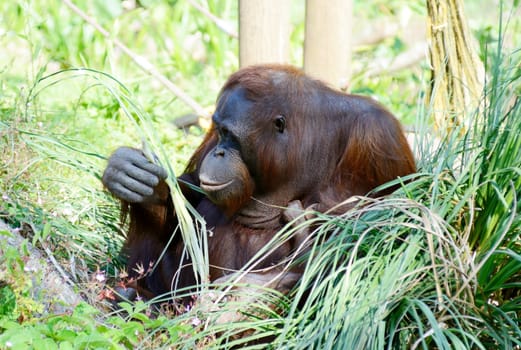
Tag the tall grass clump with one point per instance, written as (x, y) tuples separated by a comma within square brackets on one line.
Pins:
[(72, 168)]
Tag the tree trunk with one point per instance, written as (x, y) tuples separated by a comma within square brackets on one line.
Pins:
[(264, 31), (327, 48)]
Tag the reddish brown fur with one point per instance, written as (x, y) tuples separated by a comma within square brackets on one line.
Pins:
[(338, 146)]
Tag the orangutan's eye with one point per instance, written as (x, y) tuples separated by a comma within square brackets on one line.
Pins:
[(280, 124)]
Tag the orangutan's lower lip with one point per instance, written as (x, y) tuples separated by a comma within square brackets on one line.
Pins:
[(212, 187)]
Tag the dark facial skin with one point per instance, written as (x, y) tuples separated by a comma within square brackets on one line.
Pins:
[(229, 173), (223, 175)]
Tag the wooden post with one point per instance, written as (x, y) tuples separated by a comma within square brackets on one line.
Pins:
[(327, 48), (264, 31)]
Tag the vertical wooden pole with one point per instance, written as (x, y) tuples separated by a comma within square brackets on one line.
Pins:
[(327, 45), (264, 31)]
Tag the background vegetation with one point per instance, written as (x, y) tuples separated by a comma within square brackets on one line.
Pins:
[(437, 265)]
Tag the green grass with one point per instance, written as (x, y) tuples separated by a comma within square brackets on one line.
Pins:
[(436, 265)]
